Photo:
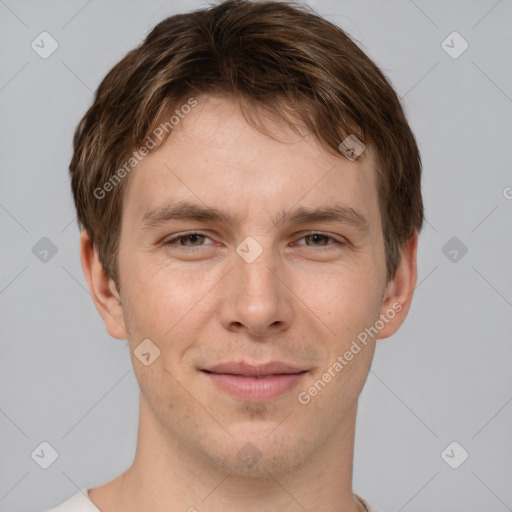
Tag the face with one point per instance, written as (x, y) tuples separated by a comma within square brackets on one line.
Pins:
[(292, 270)]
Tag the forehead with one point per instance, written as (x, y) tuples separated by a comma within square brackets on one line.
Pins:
[(216, 157)]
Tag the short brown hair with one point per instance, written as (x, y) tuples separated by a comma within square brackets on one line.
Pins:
[(277, 56)]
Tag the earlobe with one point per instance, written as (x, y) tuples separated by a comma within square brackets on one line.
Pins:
[(102, 288), (399, 292)]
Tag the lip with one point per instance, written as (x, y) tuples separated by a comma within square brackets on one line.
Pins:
[(253, 370), (255, 383)]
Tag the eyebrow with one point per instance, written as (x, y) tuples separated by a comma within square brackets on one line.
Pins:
[(186, 210)]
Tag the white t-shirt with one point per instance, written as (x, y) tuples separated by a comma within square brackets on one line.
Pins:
[(80, 502)]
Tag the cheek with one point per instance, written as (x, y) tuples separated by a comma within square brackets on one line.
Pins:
[(165, 306), (345, 300), (157, 296), (349, 307)]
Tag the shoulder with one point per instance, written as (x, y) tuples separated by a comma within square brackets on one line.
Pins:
[(79, 502)]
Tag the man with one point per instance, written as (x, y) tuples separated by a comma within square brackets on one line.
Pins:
[(248, 190)]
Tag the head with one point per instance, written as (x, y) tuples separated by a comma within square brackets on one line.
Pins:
[(240, 109)]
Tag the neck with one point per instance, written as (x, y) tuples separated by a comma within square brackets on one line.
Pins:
[(165, 477)]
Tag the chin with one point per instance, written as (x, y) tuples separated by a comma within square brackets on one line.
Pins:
[(256, 454)]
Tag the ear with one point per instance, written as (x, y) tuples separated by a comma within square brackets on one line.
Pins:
[(103, 289), (399, 291)]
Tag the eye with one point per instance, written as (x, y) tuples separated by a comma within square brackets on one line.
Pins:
[(192, 239), (321, 238), (197, 239)]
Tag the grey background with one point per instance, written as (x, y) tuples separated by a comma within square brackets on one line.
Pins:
[(445, 376)]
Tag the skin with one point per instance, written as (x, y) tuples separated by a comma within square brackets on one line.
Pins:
[(302, 301)]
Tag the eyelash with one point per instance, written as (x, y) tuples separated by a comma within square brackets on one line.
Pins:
[(174, 239)]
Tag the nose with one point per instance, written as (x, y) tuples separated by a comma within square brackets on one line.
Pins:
[(257, 299)]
